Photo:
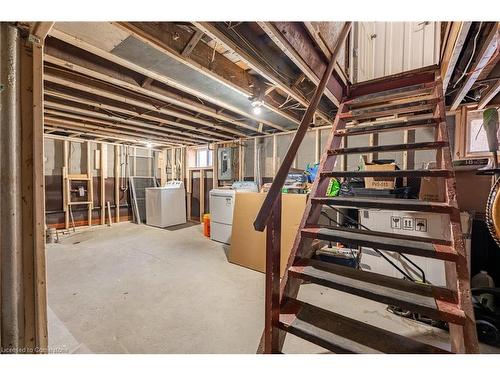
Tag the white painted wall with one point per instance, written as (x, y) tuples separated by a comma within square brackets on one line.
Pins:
[(385, 48)]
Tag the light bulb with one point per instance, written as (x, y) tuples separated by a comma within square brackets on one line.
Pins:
[(257, 110)]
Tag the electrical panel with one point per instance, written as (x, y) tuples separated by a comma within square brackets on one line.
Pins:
[(225, 163)]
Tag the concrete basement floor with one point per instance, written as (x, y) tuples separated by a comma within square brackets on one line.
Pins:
[(139, 289)]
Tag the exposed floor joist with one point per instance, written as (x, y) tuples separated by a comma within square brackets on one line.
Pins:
[(83, 84), (292, 39), (52, 108), (217, 68), (165, 80), (482, 58), (96, 103), (454, 44), (142, 91), (215, 33)]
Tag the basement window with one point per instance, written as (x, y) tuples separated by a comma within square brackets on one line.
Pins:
[(200, 158), (477, 142)]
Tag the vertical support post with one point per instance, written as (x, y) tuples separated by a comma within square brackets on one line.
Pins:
[(161, 165), (202, 193), (317, 145), (275, 154), (241, 160), (38, 194), (23, 304), (215, 167), (103, 167), (173, 163), (117, 182), (66, 186), (272, 303), (90, 191)]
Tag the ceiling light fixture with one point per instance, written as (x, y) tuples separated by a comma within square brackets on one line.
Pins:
[(257, 106)]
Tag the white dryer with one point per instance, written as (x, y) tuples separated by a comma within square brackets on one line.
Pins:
[(166, 206), (222, 207)]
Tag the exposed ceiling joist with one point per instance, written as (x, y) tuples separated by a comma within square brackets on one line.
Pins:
[(489, 95), (98, 130), (76, 133), (134, 114), (210, 29), (484, 55), (174, 99), (453, 47), (292, 38), (40, 30), (83, 85), (157, 94), (195, 38), (223, 71), (114, 121)]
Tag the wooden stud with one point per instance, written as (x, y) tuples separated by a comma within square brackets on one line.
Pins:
[(104, 175), (117, 166)]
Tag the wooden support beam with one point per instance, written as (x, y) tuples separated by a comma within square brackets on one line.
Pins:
[(482, 58), (117, 166), (39, 31), (192, 43), (293, 39), (103, 175), (23, 301), (489, 95), (452, 47), (90, 188)]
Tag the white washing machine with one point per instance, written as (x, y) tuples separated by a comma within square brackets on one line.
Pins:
[(222, 207), (166, 206)]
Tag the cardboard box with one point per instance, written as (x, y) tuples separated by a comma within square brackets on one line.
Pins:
[(248, 247), (432, 189), (417, 224), (380, 183)]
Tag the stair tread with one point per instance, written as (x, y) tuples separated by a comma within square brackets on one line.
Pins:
[(359, 115), (384, 127), (387, 204), (434, 302), (341, 334), (438, 249), (387, 104), (413, 92), (395, 173), (387, 148)]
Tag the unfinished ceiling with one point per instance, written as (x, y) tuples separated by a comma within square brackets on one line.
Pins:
[(182, 83), (190, 83)]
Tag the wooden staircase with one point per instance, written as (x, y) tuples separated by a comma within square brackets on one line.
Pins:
[(408, 101)]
